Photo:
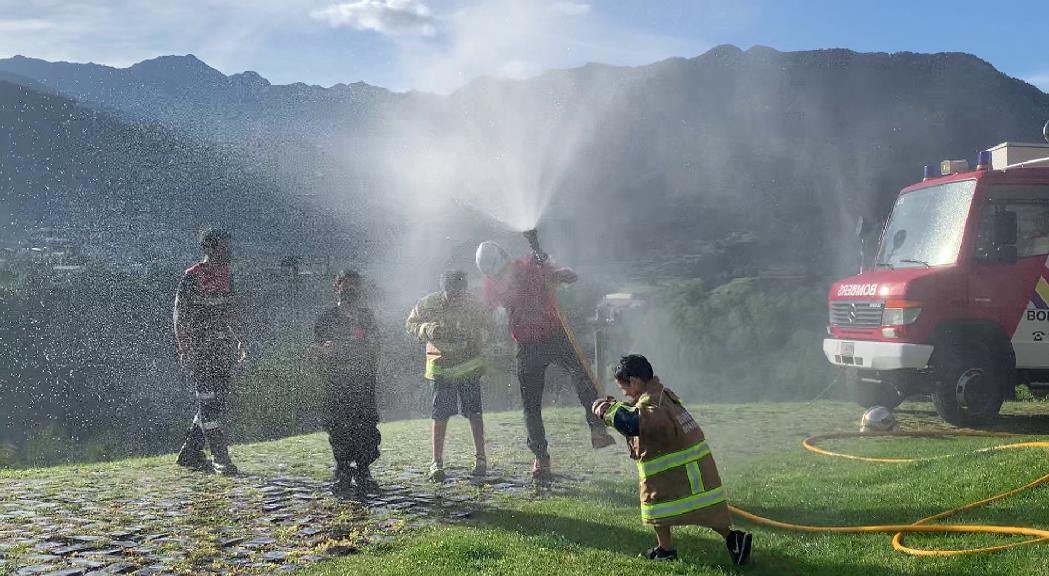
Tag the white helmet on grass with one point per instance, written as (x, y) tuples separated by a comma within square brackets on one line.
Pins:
[(491, 259), (878, 419)]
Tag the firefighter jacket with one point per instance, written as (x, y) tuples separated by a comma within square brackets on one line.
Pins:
[(350, 340), (205, 314), (679, 481), (454, 331)]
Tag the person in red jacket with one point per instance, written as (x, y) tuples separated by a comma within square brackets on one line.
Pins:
[(526, 288), (207, 333)]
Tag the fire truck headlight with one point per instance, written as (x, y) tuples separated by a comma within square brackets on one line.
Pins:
[(898, 316)]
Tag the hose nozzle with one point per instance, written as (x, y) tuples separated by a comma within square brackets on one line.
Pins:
[(533, 240)]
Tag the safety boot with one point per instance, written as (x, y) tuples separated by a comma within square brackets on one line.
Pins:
[(194, 459), (220, 452), (366, 484), (226, 467), (343, 485)]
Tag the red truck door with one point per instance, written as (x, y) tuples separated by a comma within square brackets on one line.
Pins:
[(1015, 295)]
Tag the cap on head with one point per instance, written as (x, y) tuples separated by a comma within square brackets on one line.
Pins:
[(491, 259), (350, 277), (210, 238), (633, 366), (454, 281)]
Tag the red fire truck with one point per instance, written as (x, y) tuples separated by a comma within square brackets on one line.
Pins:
[(956, 301)]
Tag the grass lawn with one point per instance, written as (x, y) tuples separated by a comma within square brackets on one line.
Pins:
[(590, 524)]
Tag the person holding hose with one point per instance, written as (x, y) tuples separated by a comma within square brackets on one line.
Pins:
[(526, 288), (679, 481), (451, 323)]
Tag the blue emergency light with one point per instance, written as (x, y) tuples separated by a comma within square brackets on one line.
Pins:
[(931, 171), (983, 161)]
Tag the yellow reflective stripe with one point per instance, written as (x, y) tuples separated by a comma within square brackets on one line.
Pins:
[(695, 477), (673, 460), (682, 505), (471, 367), (610, 414)]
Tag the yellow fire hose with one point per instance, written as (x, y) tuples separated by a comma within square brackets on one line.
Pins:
[(600, 386), (925, 524)]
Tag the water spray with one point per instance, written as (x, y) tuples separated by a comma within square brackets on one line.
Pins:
[(540, 257)]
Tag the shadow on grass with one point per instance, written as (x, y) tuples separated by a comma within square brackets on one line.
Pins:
[(600, 492), (1035, 422), (699, 547), (1032, 424)]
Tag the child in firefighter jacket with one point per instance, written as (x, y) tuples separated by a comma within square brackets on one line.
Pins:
[(679, 481)]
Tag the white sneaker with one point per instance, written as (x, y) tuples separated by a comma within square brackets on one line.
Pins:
[(436, 471)]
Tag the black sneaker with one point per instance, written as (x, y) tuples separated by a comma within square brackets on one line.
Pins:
[(194, 460), (226, 468), (364, 481), (659, 554), (738, 544), (343, 485)]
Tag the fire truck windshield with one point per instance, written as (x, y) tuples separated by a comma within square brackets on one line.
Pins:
[(926, 226)]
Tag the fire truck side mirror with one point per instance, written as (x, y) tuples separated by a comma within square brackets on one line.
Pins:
[(1045, 131), (898, 239)]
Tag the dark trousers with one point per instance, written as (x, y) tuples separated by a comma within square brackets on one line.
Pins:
[(211, 375), (352, 421), (532, 360)]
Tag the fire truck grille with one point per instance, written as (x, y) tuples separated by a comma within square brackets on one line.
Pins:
[(856, 313)]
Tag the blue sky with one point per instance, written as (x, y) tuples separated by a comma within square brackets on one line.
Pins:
[(441, 44)]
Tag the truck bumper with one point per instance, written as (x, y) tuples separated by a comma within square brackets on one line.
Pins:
[(876, 355)]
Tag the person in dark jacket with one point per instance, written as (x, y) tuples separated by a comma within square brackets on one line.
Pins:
[(346, 347)]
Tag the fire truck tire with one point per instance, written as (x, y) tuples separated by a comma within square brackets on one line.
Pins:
[(970, 380), (872, 392)]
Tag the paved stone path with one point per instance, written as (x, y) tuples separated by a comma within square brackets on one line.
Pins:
[(169, 521)]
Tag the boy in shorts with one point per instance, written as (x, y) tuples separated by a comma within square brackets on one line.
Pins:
[(452, 324)]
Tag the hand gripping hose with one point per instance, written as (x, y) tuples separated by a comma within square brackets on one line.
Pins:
[(1035, 535)]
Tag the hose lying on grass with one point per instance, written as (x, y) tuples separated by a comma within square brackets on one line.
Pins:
[(925, 524)]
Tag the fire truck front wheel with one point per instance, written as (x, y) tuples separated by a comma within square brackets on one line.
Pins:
[(870, 388), (970, 382)]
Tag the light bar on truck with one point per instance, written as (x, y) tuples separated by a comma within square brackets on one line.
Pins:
[(953, 166), (930, 172)]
